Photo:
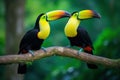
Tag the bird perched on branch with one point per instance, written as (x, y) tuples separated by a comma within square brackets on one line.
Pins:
[(34, 38), (77, 35)]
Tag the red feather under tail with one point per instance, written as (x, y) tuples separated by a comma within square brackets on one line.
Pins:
[(88, 49)]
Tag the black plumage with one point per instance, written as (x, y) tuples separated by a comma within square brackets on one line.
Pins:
[(34, 38), (82, 39), (30, 41)]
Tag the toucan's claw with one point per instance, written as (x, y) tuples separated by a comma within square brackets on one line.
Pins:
[(44, 49), (31, 52), (81, 49)]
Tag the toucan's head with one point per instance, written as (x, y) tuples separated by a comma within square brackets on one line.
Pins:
[(57, 14), (52, 15), (87, 14), (42, 22)]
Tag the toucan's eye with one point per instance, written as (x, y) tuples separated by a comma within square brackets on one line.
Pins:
[(75, 14), (44, 17)]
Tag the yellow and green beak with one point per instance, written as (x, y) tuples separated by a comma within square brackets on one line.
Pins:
[(57, 14), (86, 14)]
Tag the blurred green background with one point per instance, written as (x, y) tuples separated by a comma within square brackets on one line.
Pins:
[(104, 32)]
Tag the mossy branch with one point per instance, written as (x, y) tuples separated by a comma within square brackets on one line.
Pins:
[(61, 51)]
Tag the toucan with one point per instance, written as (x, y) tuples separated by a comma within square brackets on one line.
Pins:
[(35, 37), (77, 35)]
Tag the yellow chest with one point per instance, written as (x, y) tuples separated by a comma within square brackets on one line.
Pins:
[(44, 29), (71, 27)]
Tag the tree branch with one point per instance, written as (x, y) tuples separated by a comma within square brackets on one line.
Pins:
[(61, 51)]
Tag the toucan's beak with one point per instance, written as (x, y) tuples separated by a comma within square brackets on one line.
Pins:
[(57, 14), (86, 14)]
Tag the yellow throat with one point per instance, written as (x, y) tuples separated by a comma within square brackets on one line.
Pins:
[(71, 26), (44, 28)]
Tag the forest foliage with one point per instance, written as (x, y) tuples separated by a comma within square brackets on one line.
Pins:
[(104, 33)]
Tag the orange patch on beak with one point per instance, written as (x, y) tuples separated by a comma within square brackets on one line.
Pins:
[(86, 14), (57, 14)]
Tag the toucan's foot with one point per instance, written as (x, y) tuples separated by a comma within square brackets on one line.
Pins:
[(81, 49), (44, 49), (31, 52)]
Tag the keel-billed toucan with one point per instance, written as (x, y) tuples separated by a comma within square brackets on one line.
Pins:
[(34, 38), (77, 35)]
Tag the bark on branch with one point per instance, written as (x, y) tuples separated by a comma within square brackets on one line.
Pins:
[(61, 51)]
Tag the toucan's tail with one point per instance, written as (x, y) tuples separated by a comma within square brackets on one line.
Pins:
[(91, 66), (22, 68)]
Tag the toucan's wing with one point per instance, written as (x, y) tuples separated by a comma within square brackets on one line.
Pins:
[(84, 37), (28, 39)]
